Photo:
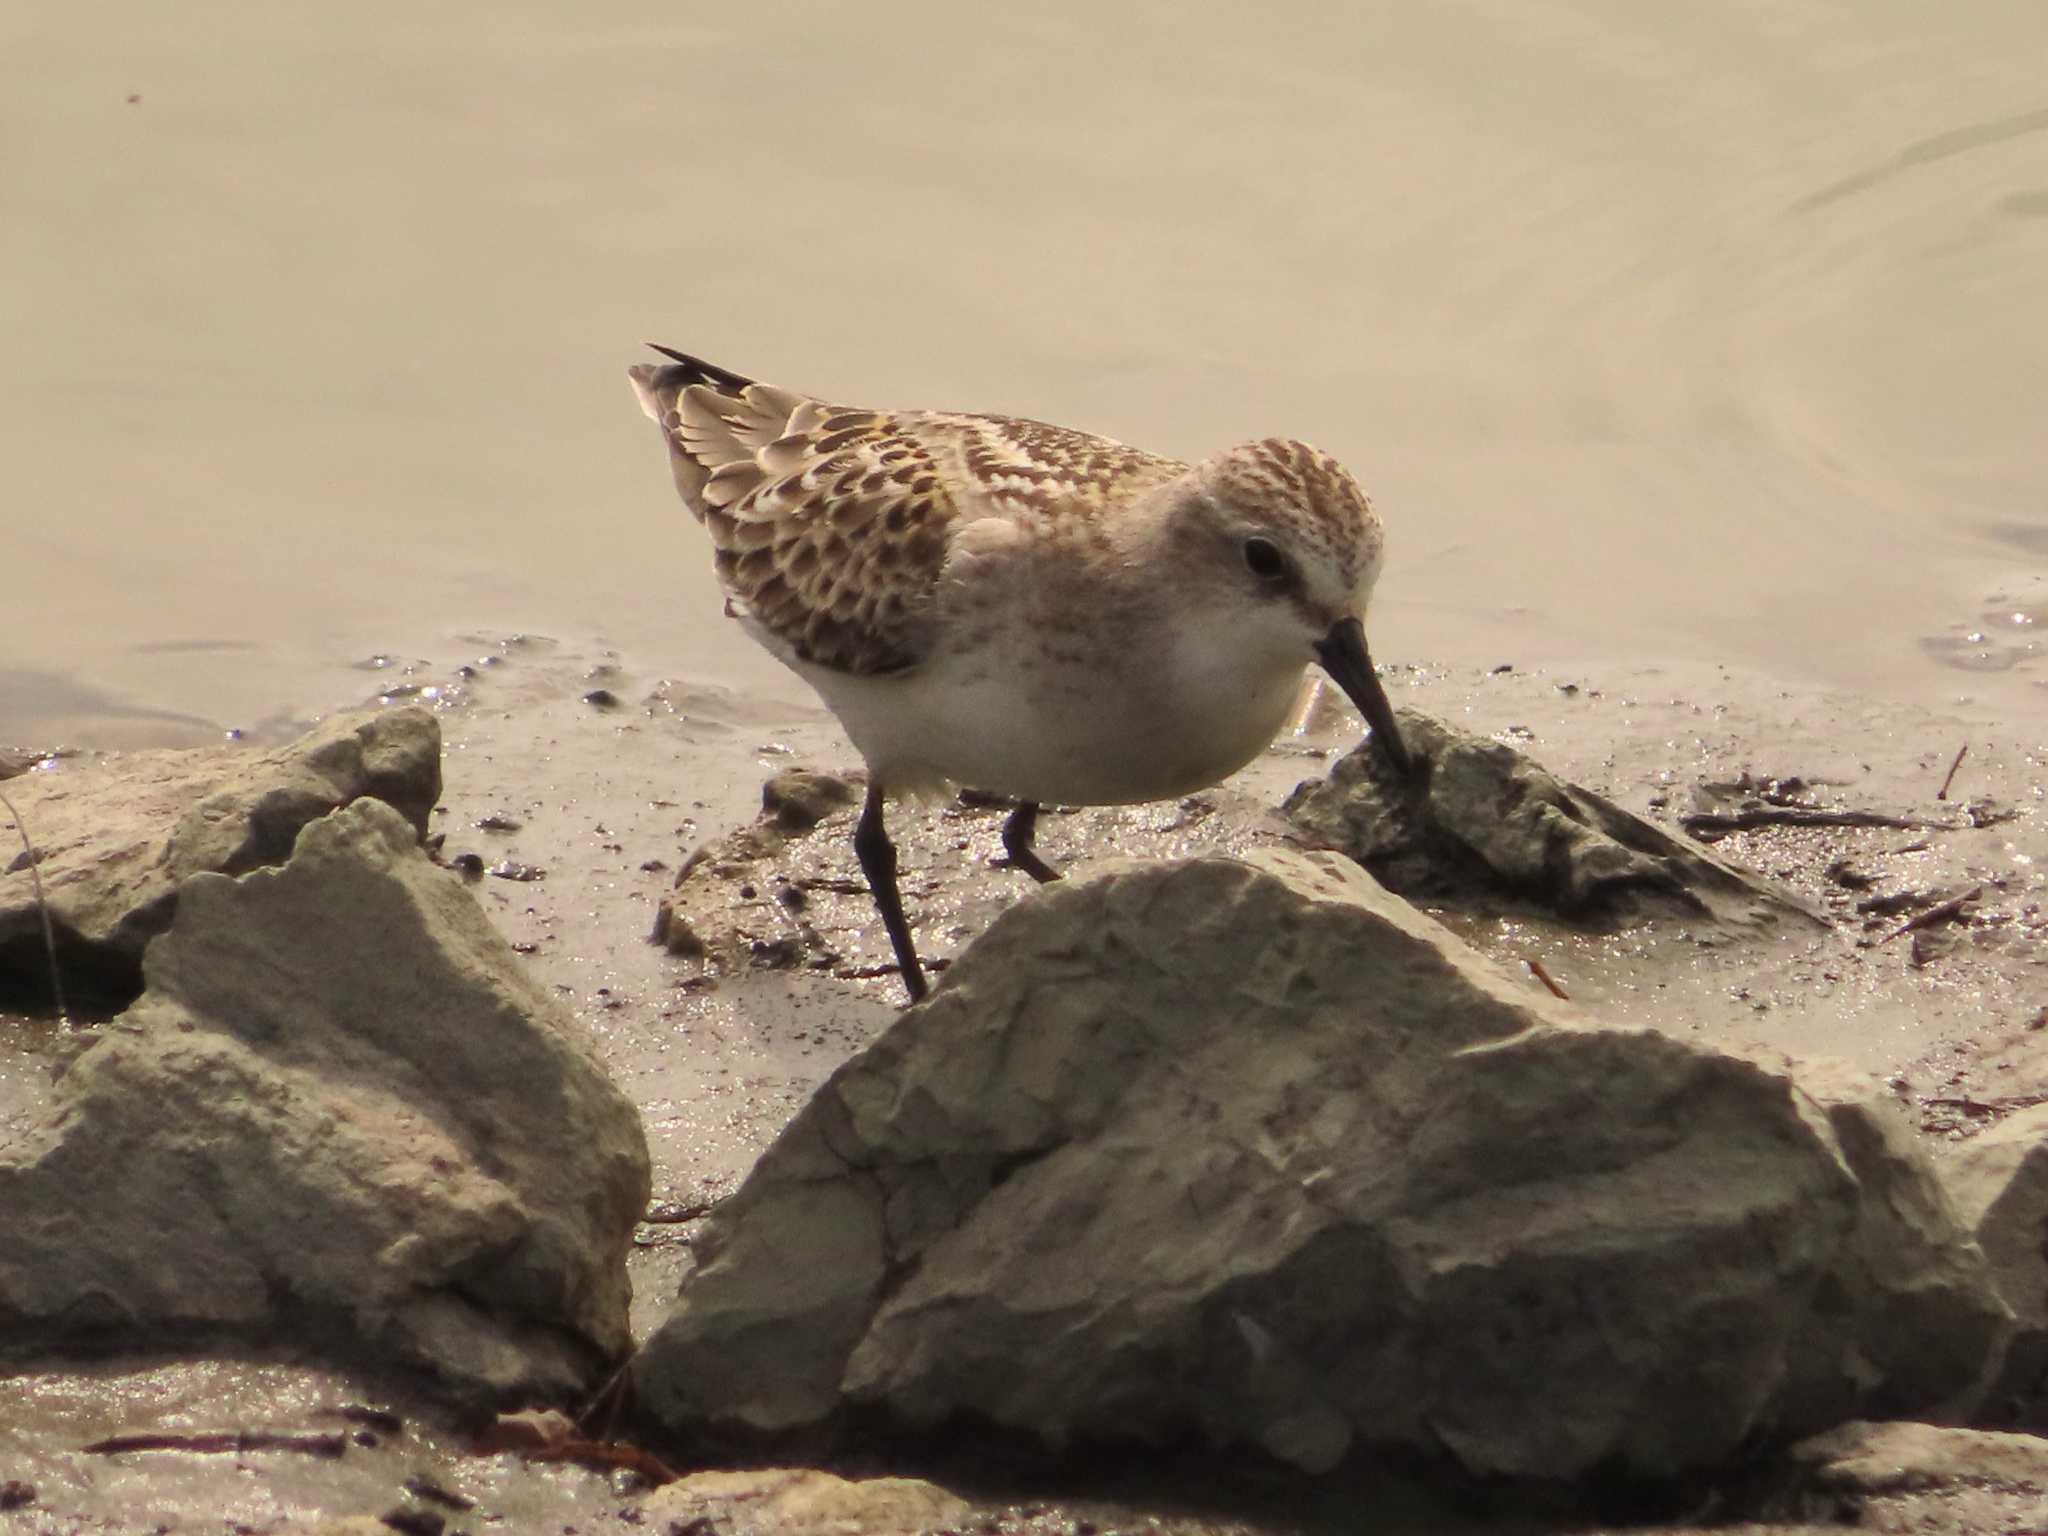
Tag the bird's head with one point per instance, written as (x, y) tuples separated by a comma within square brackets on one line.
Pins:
[(1292, 547)]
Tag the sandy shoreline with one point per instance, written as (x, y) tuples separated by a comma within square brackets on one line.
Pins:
[(604, 803), (607, 802)]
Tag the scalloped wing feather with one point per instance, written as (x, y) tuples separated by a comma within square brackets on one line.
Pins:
[(833, 525)]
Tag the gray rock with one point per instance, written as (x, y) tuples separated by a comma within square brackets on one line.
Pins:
[(342, 1118), (1487, 822), (1887, 1458), (1999, 1182), (802, 1501), (797, 799), (1253, 1148), (1902, 1477), (1909, 1318), (119, 837), (729, 904)]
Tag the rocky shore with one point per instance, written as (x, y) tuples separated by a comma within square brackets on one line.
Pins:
[(1646, 1115)]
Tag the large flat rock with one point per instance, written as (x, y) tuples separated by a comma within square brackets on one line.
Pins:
[(341, 1119), (1252, 1151), (118, 837)]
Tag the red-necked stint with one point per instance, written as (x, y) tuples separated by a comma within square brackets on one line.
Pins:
[(1019, 608)]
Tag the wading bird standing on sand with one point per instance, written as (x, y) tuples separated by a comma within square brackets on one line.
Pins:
[(1019, 608)]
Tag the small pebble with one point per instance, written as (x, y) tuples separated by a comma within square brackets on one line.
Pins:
[(420, 1486)]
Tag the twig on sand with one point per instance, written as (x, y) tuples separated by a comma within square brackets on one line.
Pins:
[(1942, 793), (1974, 1108), (549, 1436), (1708, 825), (607, 1456), (1536, 968), (870, 972), (1991, 1106), (233, 1441), (35, 876), (1941, 912)]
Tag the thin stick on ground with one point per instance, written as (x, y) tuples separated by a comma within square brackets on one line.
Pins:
[(1536, 969), (1940, 913), (1709, 826), (225, 1443), (1990, 1106), (35, 876), (1942, 793)]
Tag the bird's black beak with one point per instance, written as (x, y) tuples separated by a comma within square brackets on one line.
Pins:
[(1343, 655)]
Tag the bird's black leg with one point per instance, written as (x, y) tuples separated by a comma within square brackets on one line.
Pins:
[(877, 857), (1018, 832)]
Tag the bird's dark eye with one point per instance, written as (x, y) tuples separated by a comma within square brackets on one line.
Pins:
[(1263, 559)]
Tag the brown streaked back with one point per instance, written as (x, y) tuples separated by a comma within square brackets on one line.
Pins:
[(833, 524)]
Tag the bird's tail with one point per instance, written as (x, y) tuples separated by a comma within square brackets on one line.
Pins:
[(658, 384), (696, 404), (712, 418)]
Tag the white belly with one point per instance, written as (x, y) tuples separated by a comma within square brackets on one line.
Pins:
[(1062, 736)]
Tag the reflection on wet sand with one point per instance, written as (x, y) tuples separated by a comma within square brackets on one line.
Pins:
[(48, 709)]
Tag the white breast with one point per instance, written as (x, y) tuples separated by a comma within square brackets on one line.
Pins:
[(1062, 728)]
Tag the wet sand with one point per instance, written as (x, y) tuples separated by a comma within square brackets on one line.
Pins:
[(604, 804)]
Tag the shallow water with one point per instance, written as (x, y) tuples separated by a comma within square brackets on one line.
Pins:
[(1655, 330)]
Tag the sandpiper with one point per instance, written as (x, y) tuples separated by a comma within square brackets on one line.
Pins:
[(1018, 608)]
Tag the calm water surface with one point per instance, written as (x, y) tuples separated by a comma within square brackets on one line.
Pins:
[(1655, 329)]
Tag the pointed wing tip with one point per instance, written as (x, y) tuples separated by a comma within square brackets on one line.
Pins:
[(685, 369), (658, 384)]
